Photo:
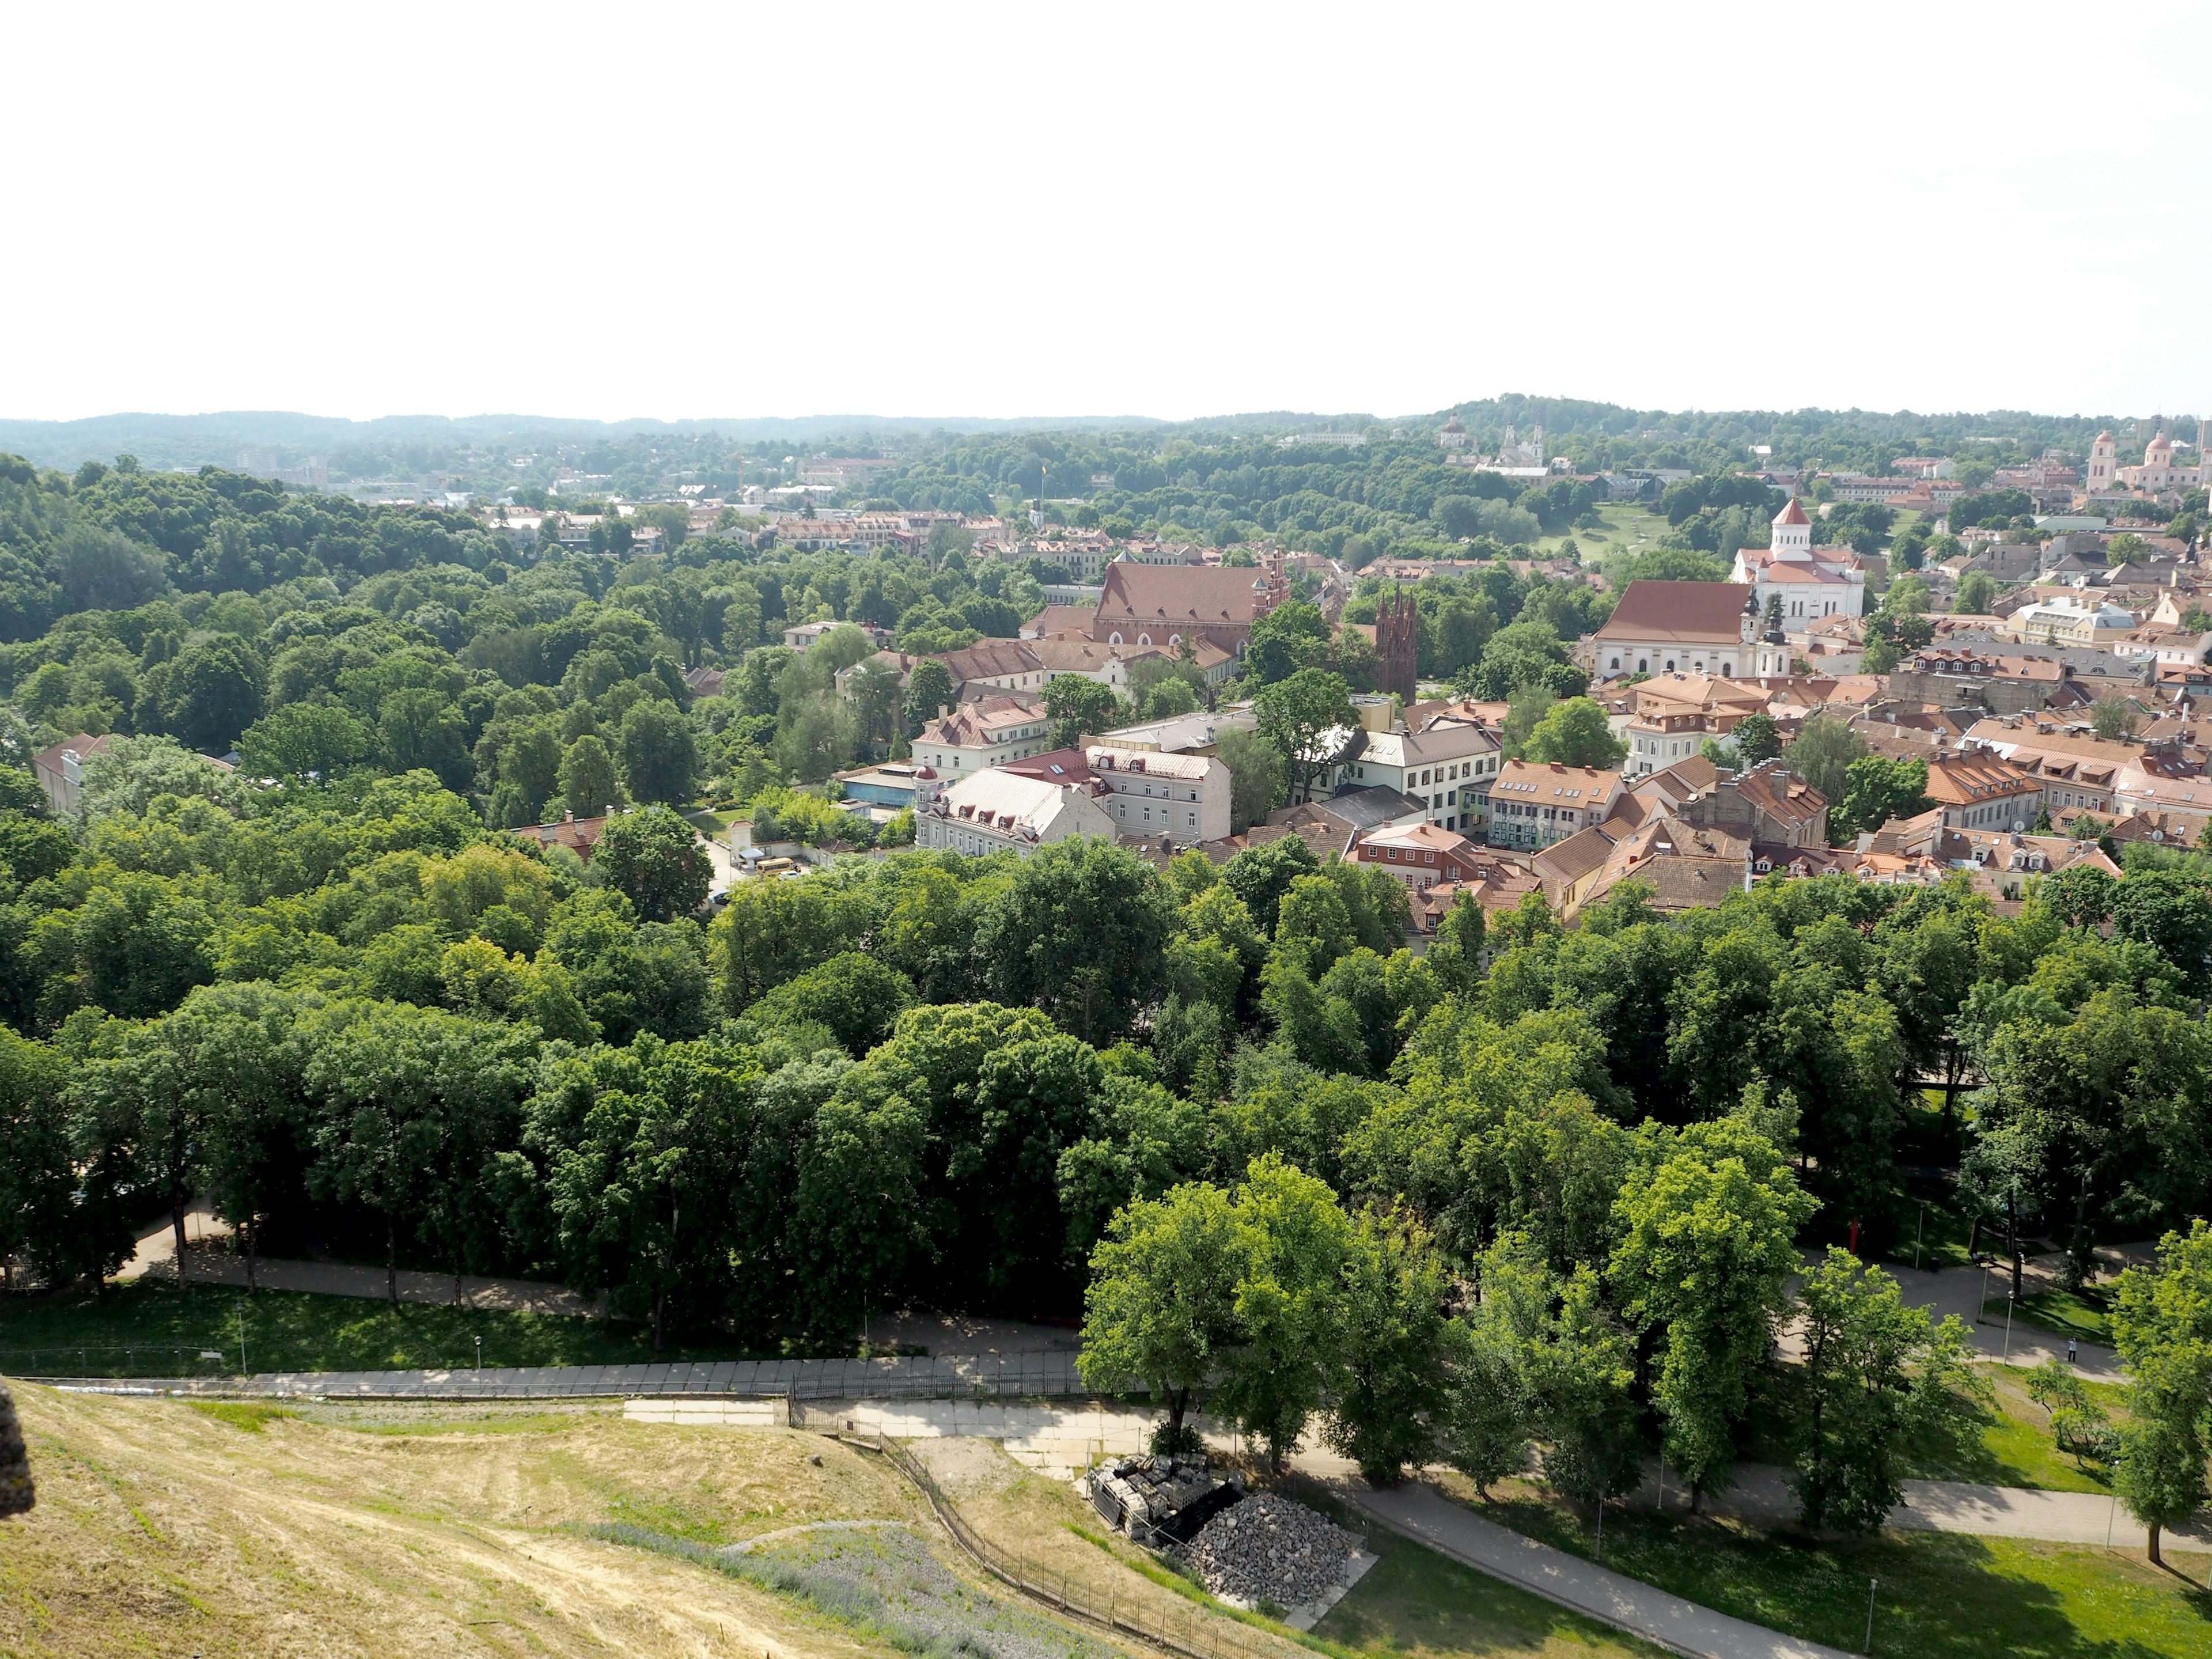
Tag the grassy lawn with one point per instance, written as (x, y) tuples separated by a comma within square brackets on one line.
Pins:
[(707, 818), (1938, 1241), (2085, 1314), (1935, 1594), (147, 1329), (2015, 1448), (1627, 527), (2011, 1446), (1416, 1603)]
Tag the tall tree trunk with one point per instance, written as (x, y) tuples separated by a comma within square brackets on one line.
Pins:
[(668, 1267), (1177, 1398), (392, 1260), (177, 1221), (2155, 1560)]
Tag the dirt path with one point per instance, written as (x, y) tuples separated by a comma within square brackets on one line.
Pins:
[(156, 1256)]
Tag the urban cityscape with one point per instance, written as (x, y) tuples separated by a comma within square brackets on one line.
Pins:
[(804, 1003)]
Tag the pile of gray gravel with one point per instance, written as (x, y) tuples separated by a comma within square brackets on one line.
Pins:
[(1269, 1549)]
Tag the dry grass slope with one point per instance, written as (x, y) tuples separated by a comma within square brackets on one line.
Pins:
[(160, 1529)]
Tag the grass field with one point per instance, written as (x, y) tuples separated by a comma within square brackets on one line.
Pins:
[(1417, 1603), (1936, 1596), (164, 1530), (2016, 1445), (145, 1328), (2010, 1447), (2085, 1314), (1935, 1239), (1628, 528)]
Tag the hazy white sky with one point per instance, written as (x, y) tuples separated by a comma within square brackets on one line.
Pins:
[(686, 210)]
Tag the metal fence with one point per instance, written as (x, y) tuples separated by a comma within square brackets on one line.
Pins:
[(277, 1362), (1198, 1635)]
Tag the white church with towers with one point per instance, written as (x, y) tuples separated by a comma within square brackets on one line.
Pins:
[(1812, 583)]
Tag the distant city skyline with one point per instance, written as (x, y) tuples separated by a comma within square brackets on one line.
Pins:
[(361, 211)]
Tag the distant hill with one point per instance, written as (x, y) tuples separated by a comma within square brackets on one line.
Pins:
[(163, 442)]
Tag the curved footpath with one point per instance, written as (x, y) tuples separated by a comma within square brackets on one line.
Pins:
[(1422, 1513)]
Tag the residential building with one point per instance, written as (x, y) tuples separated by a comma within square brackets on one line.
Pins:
[(1148, 796), (1770, 806), (1084, 557), (580, 835), (997, 811), (1675, 713), (1500, 887), (1683, 867), (2161, 781), (1532, 805), (1421, 855), (1447, 762), (2002, 862), (1199, 733), (987, 732), (2076, 768), (995, 665), (801, 636), (1351, 813), (1980, 789), (1659, 627), (1058, 619), (2071, 622), (1954, 675), (60, 770)]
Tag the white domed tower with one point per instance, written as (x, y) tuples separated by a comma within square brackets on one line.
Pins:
[(2104, 462), (1792, 536)]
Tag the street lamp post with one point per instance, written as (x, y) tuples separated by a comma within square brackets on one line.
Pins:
[(2009, 1300), (1919, 1233)]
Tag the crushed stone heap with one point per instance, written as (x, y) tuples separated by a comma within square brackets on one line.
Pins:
[(1269, 1549)]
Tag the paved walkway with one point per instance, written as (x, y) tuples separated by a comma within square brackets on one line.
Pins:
[(156, 1257), (1421, 1512), (1959, 1291), (1762, 1492)]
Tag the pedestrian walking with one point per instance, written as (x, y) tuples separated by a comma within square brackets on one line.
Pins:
[(2073, 1352)]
